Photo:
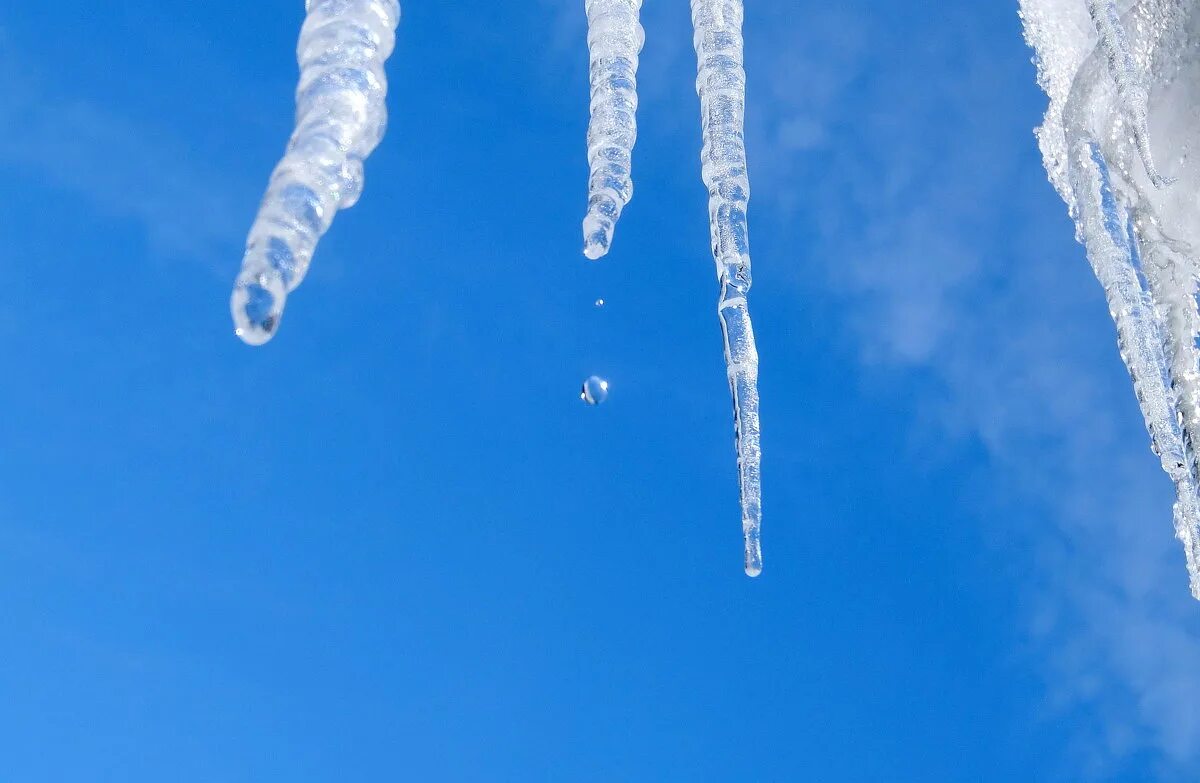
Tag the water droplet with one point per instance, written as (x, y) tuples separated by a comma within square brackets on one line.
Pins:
[(595, 390), (257, 306), (599, 303)]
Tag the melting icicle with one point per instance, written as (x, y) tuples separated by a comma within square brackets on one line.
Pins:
[(721, 84), (1142, 240), (1141, 337), (340, 118), (615, 38), (1133, 83)]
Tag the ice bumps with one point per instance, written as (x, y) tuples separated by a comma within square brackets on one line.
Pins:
[(340, 118), (1119, 75)]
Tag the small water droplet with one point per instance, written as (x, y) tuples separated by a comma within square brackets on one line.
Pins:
[(599, 303), (595, 390)]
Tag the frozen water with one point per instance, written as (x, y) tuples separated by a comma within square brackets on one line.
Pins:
[(1131, 78), (1119, 74), (721, 84), (615, 39), (340, 119)]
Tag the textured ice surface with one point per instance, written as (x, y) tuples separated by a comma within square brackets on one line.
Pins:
[(1131, 77), (721, 84), (1119, 75), (615, 39), (340, 119)]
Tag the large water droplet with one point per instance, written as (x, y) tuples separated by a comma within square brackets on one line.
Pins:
[(595, 390), (599, 303)]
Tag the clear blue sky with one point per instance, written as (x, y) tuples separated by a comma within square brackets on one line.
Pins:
[(393, 544)]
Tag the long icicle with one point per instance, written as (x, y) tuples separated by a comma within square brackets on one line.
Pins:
[(340, 118), (721, 84), (1133, 86), (615, 39), (1141, 337)]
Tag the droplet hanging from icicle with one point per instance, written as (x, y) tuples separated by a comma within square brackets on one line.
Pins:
[(340, 118)]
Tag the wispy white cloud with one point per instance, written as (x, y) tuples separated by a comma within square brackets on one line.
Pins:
[(125, 167), (921, 146)]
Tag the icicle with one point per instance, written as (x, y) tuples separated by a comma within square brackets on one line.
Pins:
[(615, 38), (1133, 84), (1141, 241), (1144, 342), (721, 84), (340, 118)]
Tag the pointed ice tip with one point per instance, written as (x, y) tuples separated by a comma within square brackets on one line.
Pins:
[(256, 310), (753, 556), (597, 235), (595, 245)]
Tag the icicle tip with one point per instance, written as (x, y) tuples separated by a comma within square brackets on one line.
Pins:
[(257, 307)]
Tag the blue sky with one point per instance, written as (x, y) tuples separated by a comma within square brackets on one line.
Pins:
[(393, 544)]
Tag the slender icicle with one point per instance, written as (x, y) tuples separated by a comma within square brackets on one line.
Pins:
[(1169, 269), (1133, 83), (721, 84), (1144, 340), (340, 118), (615, 39)]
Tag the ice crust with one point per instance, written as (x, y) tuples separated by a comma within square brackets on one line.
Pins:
[(340, 119), (1121, 75)]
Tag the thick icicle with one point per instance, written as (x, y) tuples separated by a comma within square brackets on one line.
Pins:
[(1141, 238), (1133, 82), (615, 39), (721, 84), (1144, 342), (340, 118)]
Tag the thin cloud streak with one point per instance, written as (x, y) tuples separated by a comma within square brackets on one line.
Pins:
[(126, 168), (948, 275)]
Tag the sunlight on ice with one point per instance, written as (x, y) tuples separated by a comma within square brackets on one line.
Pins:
[(340, 119), (1131, 78), (615, 39), (721, 84), (1117, 74)]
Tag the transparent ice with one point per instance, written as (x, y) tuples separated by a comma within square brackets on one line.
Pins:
[(1120, 74), (340, 119), (615, 39), (721, 84)]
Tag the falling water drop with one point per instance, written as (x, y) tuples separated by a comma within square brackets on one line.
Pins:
[(594, 391)]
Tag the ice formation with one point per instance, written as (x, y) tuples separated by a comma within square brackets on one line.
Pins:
[(615, 38), (1131, 78), (340, 119), (721, 84), (1118, 74)]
